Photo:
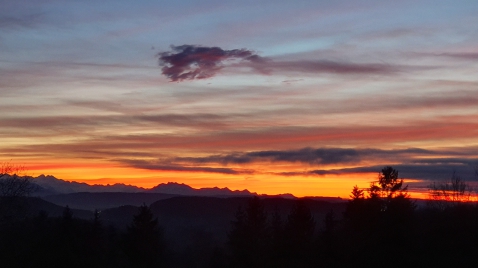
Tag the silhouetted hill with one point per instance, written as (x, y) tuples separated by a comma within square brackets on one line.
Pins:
[(92, 201), (32, 206), (185, 217)]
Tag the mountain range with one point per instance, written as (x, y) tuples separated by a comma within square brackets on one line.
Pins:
[(50, 185), (90, 197)]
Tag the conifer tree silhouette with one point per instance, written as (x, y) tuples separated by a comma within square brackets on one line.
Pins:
[(248, 238), (143, 242), (299, 233)]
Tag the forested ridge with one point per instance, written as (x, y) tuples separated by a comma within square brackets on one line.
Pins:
[(380, 226)]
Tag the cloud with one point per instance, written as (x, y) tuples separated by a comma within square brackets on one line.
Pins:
[(251, 145), (320, 156), (456, 55), (165, 166), (460, 55), (428, 172), (188, 62), (415, 163), (16, 22), (321, 66)]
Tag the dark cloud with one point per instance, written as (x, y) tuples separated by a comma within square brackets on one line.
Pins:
[(467, 56), (428, 172), (292, 81), (165, 166), (18, 22), (322, 66), (311, 156), (461, 55), (188, 62), (413, 163)]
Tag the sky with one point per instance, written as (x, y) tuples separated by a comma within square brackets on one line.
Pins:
[(302, 97)]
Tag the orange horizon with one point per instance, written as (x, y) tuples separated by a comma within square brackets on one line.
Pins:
[(265, 183)]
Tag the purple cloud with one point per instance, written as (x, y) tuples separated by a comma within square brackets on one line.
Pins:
[(188, 62), (27, 21)]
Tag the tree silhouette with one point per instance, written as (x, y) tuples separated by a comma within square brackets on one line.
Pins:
[(388, 185), (277, 231), (144, 245), (300, 223), (382, 222), (450, 193), (13, 189), (299, 233), (248, 238), (357, 194)]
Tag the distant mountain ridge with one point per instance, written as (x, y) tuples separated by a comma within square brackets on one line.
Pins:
[(50, 185), (184, 189)]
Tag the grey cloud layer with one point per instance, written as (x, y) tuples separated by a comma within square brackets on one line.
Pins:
[(413, 163), (428, 172), (326, 156)]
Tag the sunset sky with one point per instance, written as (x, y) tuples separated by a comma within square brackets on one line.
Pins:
[(302, 97)]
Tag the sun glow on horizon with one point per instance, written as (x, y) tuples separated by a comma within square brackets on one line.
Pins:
[(331, 185)]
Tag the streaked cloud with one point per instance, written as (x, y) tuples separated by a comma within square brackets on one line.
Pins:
[(158, 165), (311, 156), (428, 172), (323, 66), (412, 163)]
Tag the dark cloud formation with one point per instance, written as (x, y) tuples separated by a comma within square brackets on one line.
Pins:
[(428, 172), (311, 156), (18, 22), (461, 55), (321, 66), (428, 169), (158, 165), (188, 62), (456, 55), (414, 163)]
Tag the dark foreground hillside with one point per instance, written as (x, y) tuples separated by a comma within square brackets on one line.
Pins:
[(241, 232)]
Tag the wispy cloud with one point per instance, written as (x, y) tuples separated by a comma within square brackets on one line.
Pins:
[(460, 55), (322, 66), (100, 142), (455, 55)]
